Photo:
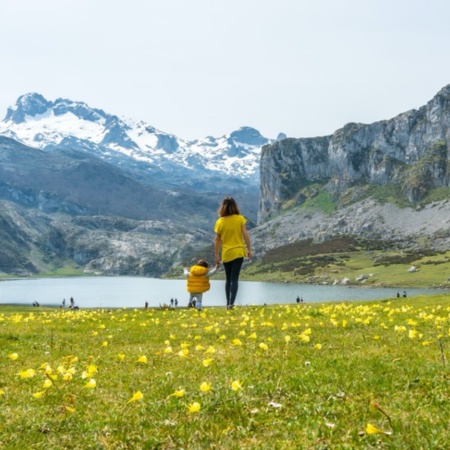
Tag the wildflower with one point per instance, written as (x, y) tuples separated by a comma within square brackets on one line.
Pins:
[(263, 346), (199, 347), (287, 339), (91, 384), (183, 353), (48, 383), (168, 350), (236, 385), (210, 349), (252, 336), (412, 334), (372, 429), (237, 342), (318, 346), (179, 393), (2, 392), (137, 396), (29, 373), (13, 356), (194, 407), (207, 362), (105, 344), (67, 376), (142, 359), (38, 394), (121, 356), (205, 387)]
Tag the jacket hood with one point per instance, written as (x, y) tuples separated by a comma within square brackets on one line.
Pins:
[(199, 270)]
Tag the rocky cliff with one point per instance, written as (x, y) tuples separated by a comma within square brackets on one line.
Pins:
[(409, 153)]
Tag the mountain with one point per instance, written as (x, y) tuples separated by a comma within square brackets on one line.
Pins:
[(385, 184), (409, 153), (135, 146), (85, 189)]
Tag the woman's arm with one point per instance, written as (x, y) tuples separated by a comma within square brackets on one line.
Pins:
[(217, 242), (247, 241)]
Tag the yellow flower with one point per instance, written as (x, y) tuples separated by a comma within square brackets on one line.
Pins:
[(287, 339), (91, 384), (318, 346), (210, 349), (199, 347), (168, 350), (304, 338), (412, 334), (142, 359), (2, 392), (29, 373), (13, 356), (47, 383), (67, 376), (252, 336), (179, 393), (137, 396), (236, 385), (205, 387), (194, 407), (69, 409), (183, 353), (372, 429), (38, 394), (207, 362), (105, 344), (263, 346), (121, 356), (237, 342), (223, 337)]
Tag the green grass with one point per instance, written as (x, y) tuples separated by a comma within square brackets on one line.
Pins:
[(312, 376), (385, 269)]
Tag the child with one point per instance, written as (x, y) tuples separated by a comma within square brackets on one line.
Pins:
[(198, 281)]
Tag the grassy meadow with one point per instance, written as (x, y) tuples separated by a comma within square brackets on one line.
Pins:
[(323, 376)]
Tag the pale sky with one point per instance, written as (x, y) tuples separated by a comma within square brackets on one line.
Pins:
[(207, 67)]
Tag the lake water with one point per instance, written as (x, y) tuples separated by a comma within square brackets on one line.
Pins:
[(133, 292)]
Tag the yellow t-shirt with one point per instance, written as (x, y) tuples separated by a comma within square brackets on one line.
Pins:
[(230, 230)]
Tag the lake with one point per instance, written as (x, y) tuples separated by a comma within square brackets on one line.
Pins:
[(133, 292)]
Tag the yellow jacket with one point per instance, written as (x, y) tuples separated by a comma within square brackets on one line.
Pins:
[(198, 282)]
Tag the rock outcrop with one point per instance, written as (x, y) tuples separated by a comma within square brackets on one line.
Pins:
[(410, 151)]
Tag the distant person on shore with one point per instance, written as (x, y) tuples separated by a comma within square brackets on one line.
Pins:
[(72, 303), (146, 305), (198, 282), (404, 293), (231, 234)]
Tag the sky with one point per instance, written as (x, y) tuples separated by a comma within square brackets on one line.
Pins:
[(195, 68)]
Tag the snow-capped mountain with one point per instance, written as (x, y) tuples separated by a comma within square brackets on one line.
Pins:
[(132, 145)]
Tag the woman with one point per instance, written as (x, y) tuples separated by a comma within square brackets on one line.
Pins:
[(230, 235)]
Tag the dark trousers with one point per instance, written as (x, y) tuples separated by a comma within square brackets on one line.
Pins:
[(232, 270)]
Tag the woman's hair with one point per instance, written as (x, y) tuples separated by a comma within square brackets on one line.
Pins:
[(202, 263), (228, 207)]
